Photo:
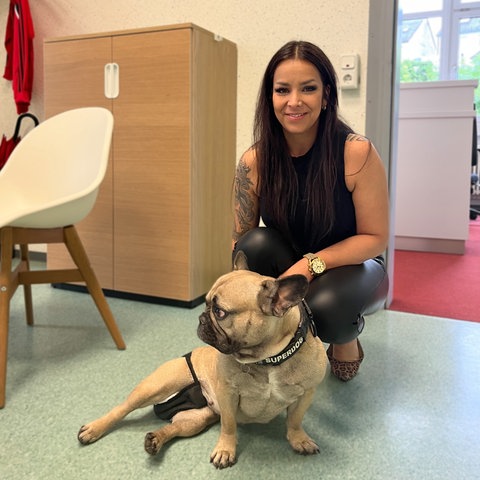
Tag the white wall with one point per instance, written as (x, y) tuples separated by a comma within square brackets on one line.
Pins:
[(258, 27)]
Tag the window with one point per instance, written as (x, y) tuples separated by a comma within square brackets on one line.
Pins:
[(440, 41)]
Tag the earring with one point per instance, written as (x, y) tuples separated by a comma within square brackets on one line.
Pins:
[(324, 107)]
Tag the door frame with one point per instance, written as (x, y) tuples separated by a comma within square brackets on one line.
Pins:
[(382, 94)]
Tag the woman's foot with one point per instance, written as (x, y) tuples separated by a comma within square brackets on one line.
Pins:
[(345, 359)]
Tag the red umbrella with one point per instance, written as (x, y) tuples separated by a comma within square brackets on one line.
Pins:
[(7, 145)]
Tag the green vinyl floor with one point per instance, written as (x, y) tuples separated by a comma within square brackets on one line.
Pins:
[(413, 412)]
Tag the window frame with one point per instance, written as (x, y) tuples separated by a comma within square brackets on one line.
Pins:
[(459, 5)]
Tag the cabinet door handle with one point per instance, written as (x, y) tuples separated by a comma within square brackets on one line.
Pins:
[(112, 80)]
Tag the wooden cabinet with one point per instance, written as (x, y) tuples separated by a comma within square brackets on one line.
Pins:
[(162, 223)]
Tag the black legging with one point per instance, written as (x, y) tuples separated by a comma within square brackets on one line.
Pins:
[(338, 299)]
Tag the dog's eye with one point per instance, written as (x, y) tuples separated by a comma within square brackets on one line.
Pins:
[(219, 313)]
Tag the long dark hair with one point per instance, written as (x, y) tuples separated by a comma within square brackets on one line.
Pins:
[(278, 187)]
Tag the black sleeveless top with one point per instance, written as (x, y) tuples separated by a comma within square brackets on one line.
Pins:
[(301, 231)]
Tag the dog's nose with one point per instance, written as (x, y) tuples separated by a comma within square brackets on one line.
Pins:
[(203, 318)]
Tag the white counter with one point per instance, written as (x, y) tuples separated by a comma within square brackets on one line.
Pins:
[(434, 165)]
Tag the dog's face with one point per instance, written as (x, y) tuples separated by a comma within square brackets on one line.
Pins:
[(242, 309)]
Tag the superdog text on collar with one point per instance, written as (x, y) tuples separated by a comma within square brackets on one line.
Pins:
[(296, 342)]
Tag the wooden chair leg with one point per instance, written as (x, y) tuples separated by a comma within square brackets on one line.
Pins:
[(27, 289), (79, 256), (5, 295)]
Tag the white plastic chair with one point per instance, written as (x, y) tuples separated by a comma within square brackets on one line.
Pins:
[(49, 183)]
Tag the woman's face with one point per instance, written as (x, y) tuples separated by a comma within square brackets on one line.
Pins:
[(298, 97)]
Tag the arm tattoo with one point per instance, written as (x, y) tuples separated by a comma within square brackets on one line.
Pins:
[(355, 137), (245, 209)]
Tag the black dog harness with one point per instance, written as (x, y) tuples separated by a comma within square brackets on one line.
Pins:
[(186, 399)]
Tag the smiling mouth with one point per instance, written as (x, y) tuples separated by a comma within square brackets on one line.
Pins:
[(295, 115)]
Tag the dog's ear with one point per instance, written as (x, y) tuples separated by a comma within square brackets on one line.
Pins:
[(240, 261), (277, 296)]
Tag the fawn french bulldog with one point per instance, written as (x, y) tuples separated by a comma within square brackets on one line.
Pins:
[(261, 359)]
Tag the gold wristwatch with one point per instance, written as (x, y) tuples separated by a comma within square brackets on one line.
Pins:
[(316, 265)]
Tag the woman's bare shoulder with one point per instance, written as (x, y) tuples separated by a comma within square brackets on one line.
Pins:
[(358, 151), (249, 158)]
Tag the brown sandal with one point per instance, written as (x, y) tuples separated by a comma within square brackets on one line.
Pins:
[(344, 371)]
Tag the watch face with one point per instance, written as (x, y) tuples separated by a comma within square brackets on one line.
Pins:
[(318, 265)]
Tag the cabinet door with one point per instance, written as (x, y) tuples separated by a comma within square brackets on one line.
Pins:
[(74, 77), (152, 164)]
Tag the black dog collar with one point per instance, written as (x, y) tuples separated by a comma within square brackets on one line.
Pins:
[(297, 340)]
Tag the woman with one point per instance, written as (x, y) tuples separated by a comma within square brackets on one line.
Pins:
[(321, 191)]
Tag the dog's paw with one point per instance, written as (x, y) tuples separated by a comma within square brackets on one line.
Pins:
[(308, 447), (223, 458), (87, 435), (223, 454), (152, 444), (93, 431), (303, 444)]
